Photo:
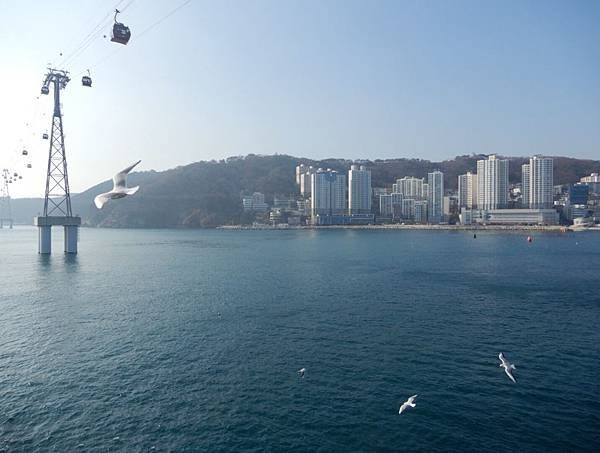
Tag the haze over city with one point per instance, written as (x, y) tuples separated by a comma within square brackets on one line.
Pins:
[(312, 79)]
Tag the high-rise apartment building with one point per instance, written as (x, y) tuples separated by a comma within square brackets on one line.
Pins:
[(492, 183), (385, 205), (412, 187), (467, 191), (420, 211), (305, 181), (541, 182), (328, 193), (435, 199), (300, 170), (359, 190), (525, 185)]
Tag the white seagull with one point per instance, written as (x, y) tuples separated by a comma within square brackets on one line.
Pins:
[(301, 372), (119, 190), (409, 403), (508, 367)]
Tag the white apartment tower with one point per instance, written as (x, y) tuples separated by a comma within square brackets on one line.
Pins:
[(305, 181), (492, 183), (412, 187), (359, 190), (328, 192), (525, 184), (435, 199), (541, 182), (300, 170), (467, 191)]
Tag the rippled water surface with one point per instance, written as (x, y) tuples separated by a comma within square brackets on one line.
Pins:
[(190, 341)]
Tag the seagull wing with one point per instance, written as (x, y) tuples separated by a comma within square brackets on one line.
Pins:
[(402, 407), (412, 399), (120, 179), (131, 190), (509, 374), (502, 359), (101, 199)]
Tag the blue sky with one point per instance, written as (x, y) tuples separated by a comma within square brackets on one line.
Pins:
[(356, 79)]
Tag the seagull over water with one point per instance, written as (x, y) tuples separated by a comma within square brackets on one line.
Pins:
[(120, 188), (409, 403), (508, 367), (301, 372)]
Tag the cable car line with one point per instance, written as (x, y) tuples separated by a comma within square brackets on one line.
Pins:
[(93, 34), (138, 35)]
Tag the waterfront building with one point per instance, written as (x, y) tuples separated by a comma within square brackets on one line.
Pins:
[(359, 190), (594, 177), (284, 203), (467, 190), (450, 206), (255, 202), (538, 183), (407, 209), (411, 187), (578, 194), (525, 184), (593, 182), (435, 199), (509, 216), (301, 205), (328, 193), (492, 183), (420, 211), (385, 205), (305, 181), (300, 170)]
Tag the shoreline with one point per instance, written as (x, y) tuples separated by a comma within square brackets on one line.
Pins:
[(538, 228)]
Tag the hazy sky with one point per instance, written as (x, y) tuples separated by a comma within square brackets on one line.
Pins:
[(356, 79)]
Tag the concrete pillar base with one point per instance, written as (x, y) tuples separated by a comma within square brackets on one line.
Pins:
[(45, 240), (71, 239)]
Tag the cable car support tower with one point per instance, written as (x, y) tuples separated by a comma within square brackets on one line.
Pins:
[(5, 210), (57, 201)]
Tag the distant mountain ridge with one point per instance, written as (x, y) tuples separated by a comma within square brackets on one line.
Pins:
[(207, 194)]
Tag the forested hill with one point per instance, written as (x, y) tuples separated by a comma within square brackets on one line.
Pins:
[(207, 194)]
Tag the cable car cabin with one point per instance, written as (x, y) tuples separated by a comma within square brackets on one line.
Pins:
[(20, 177), (24, 152), (45, 136), (45, 90), (86, 81), (15, 174), (120, 33), (28, 165)]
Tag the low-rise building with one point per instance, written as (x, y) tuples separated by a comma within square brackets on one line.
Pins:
[(255, 202), (509, 216)]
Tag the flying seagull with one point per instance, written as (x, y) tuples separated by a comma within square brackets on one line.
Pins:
[(508, 367), (301, 372), (119, 190), (409, 403)]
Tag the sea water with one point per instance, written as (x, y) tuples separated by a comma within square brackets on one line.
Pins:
[(190, 340)]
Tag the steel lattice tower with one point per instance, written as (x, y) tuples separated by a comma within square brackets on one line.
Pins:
[(5, 209), (57, 200)]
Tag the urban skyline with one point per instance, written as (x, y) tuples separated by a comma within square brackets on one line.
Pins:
[(484, 197)]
